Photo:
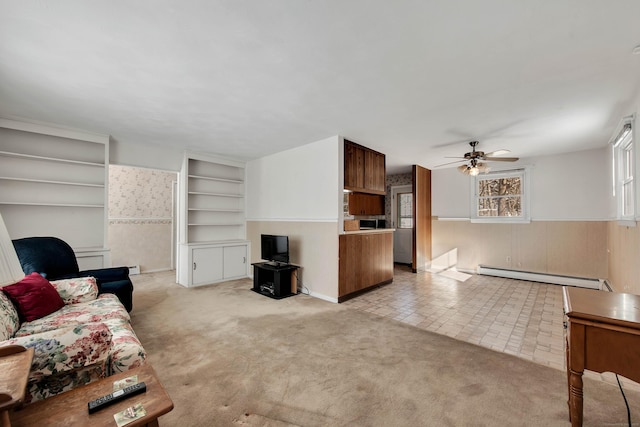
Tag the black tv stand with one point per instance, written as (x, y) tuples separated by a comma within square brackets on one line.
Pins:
[(275, 280), (276, 264)]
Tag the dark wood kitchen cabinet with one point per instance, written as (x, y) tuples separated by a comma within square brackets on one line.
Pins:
[(364, 169), (366, 261), (366, 204)]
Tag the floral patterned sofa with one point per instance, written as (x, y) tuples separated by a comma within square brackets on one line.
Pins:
[(87, 337)]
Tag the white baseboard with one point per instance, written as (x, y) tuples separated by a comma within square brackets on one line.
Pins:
[(556, 279), (323, 297)]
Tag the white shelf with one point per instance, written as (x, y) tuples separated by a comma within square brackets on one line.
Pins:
[(213, 205), (54, 182), (46, 181), (202, 193), (233, 181), (216, 224), (215, 210), (50, 159), (60, 205)]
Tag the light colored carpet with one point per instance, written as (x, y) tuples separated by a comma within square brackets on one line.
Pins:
[(228, 356)]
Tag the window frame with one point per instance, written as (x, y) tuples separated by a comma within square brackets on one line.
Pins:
[(399, 211), (524, 173), (624, 155)]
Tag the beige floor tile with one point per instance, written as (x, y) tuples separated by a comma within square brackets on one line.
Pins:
[(524, 319)]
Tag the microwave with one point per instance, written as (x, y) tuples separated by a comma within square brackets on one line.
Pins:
[(372, 224)]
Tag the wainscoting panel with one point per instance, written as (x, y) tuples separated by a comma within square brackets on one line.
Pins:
[(624, 258), (573, 248)]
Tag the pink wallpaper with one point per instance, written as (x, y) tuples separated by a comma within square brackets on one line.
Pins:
[(140, 223)]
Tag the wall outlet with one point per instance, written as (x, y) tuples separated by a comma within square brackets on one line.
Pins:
[(134, 269)]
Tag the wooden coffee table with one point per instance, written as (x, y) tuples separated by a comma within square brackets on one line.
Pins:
[(15, 363), (70, 408)]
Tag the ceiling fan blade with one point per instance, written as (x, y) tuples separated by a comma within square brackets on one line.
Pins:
[(497, 153), (501, 159), (450, 163)]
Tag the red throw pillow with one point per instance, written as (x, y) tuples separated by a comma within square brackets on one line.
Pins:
[(34, 297)]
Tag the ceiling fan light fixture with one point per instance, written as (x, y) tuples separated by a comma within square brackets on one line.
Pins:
[(477, 158)]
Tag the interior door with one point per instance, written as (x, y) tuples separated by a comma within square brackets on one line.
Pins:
[(402, 221), (421, 219)]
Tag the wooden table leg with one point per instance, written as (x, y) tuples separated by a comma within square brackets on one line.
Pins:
[(575, 398), (4, 419), (566, 353)]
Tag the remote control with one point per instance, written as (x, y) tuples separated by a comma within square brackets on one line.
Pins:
[(116, 396)]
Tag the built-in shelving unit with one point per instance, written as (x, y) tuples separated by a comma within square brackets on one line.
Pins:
[(212, 234), (53, 182)]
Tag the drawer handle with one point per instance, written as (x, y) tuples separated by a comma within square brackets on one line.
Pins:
[(194, 265)]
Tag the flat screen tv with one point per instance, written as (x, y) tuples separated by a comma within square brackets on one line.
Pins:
[(274, 248)]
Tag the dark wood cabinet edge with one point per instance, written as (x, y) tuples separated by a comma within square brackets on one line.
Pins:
[(366, 191), (363, 147), (346, 297)]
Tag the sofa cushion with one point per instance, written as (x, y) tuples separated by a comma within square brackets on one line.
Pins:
[(9, 320), (77, 290), (34, 297), (104, 309), (126, 350), (67, 349)]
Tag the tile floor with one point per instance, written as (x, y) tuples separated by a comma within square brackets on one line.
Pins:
[(521, 318)]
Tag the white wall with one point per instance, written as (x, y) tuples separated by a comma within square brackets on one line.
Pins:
[(145, 155), (298, 193), (573, 186), (297, 184)]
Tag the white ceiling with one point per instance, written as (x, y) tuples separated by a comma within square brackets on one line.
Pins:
[(415, 79)]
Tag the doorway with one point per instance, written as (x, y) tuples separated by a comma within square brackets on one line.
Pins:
[(141, 227), (402, 221)]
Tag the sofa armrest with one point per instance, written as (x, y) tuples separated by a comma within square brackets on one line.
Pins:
[(66, 349), (104, 275), (80, 289)]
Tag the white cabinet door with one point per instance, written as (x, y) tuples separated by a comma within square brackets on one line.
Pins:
[(206, 265), (235, 261)]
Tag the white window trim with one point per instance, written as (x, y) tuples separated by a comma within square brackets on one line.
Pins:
[(525, 172), (618, 145)]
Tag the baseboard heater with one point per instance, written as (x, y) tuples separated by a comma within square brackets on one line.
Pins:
[(555, 279)]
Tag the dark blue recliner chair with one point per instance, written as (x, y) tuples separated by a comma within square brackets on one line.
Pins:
[(54, 259)]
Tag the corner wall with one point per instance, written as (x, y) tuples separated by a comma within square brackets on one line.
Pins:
[(297, 193)]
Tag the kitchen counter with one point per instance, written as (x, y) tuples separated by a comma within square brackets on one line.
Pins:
[(366, 261)]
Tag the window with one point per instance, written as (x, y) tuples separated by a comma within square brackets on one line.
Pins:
[(624, 171), (500, 197), (405, 210)]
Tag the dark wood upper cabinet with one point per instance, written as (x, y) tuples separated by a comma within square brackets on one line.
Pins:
[(374, 171), (364, 169), (353, 165), (366, 204)]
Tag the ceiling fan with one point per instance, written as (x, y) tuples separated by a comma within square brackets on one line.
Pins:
[(476, 158)]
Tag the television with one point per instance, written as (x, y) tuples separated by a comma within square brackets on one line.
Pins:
[(274, 249)]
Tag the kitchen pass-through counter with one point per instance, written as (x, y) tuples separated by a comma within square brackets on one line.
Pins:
[(366, 261)]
